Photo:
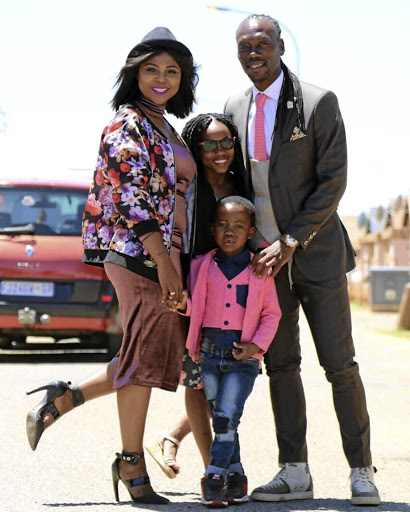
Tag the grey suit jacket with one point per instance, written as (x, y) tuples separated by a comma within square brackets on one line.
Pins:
[(307, 178)]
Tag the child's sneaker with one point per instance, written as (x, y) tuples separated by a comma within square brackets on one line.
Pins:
[(237, 488), (213, 491)]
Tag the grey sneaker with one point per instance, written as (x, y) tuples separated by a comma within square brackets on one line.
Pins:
[(293, 482), (364, 491)]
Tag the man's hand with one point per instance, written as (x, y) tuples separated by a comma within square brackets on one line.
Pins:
[(244, 350), (271, 259)]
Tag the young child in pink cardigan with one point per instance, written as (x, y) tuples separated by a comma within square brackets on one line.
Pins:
[(234, 317)]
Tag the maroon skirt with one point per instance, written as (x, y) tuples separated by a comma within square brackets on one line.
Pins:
[(154, 338)]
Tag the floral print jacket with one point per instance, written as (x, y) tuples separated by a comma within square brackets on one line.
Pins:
[(133, 189)]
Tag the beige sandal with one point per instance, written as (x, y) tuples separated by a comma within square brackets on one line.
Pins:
[(155, 448)]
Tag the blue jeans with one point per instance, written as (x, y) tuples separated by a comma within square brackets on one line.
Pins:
[(227, 384)]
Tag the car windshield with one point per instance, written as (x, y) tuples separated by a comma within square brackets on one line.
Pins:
[(50, 211)]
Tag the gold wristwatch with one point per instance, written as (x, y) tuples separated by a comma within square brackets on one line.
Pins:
[(290, 241)]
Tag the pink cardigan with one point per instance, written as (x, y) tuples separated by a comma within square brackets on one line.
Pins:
[(262, 313)]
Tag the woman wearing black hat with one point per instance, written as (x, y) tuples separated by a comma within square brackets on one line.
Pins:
[(133, 224)]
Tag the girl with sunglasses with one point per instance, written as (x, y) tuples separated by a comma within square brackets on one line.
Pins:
[(213, 142)]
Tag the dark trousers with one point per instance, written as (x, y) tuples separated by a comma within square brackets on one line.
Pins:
[(327, 309)]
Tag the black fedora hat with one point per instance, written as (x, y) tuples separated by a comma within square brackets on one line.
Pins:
[(159, 37)]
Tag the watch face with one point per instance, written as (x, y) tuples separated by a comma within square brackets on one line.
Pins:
[(291, 241)]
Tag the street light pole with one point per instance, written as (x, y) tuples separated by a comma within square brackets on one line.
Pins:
[(248, 13)]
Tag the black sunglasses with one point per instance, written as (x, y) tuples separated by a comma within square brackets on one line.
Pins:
[(212, 145)]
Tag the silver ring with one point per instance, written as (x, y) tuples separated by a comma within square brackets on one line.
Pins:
[(172, 293)]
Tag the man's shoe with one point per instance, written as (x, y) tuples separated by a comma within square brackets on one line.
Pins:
[(237, 488), (293, 482), (364, 491), (213, 491)]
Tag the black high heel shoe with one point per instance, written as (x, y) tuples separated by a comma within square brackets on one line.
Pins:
[(34, 422), (134, 458)]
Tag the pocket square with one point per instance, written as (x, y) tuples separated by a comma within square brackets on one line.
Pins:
[(297, 134)]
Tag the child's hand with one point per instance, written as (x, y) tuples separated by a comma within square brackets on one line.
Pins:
[(244, 350), (182, 305), (173, 305)]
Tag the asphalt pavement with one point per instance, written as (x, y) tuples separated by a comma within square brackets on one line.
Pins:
[(70, 470)]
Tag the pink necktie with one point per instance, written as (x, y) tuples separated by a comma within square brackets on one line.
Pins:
[(260, 142)]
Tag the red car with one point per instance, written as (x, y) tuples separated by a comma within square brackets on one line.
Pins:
[(45, 289)]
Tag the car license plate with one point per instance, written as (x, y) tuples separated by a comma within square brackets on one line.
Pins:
[(27, 289)]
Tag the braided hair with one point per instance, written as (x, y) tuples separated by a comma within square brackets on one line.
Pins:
[(192, 135)]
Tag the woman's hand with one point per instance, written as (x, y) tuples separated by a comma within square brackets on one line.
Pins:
[(169, 279), (173, 305), (271, 259), (171, 283)]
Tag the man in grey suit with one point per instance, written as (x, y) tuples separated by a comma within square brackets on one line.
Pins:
[(293, 139)]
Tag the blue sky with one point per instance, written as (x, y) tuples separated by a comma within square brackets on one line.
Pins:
[(59, 61)]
